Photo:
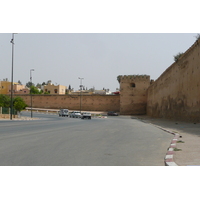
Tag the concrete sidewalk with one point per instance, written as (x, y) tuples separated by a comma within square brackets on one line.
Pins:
[(187, 149)]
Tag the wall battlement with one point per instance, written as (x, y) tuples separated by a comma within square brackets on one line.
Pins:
[(133, 78)]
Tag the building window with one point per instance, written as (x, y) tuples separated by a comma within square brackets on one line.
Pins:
[(132, 85), (56, 91)]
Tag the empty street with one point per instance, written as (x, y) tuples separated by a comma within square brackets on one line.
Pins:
[(61, 141)]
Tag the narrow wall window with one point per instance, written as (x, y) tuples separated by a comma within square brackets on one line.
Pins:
[(56, 91), (132, 85)]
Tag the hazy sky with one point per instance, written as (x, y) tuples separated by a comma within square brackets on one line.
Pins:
[(98, 58)]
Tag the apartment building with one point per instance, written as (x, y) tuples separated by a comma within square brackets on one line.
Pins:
[(54, 89), (5, 88)]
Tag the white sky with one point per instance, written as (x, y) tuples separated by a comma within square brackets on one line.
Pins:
[(98, 58), (61, 44)]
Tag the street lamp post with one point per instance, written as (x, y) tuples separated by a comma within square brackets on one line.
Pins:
[(31, 91), (80, 91), (12, 41)]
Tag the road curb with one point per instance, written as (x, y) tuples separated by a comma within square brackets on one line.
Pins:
[(169, 158)]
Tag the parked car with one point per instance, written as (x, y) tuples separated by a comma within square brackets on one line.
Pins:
[(63, 113), (85, 115), (112, 113), (75, 114)]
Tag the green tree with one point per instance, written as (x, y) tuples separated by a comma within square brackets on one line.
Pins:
[(19, 104), (38, 85), (34, 90), (4, 101), (19, 82), (29, 84)]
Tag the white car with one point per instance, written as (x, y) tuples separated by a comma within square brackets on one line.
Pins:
[(63, 113), (85, 115), (75, 114)]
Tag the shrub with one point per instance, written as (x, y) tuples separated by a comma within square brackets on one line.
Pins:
[(176, 57), (19, 104), (4, 101)]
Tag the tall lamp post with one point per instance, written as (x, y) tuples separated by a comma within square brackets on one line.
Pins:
[(31, 91), (12, 41), (80, 91)]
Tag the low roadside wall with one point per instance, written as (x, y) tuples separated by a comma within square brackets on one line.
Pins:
[(7, 116)]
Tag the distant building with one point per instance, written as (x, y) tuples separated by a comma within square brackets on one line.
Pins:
[(19, 89), (54, 89), (83, 92), (22, 91), (102, 92), (4, 86), (91, 92)]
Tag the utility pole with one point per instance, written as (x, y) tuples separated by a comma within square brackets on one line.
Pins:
[(81, 91), (12, 41), (31, 92)]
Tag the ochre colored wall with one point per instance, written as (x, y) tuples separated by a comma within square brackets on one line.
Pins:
[(4, 87), (72, 102), (7, 116), (176, 93), (133, 94)]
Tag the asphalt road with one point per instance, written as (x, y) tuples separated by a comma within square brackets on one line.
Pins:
[(60, 141)]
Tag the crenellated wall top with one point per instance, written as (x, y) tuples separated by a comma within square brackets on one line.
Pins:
[(133, 77)]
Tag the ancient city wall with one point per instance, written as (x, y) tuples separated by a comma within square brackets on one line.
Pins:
[(176, 93), (133, 94), (72, 102)]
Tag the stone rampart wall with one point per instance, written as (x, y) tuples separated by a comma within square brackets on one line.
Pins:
[(176, 93), (133, 94), (72, 102)]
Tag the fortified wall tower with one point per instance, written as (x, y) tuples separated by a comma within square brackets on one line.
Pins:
[(133, 94)]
